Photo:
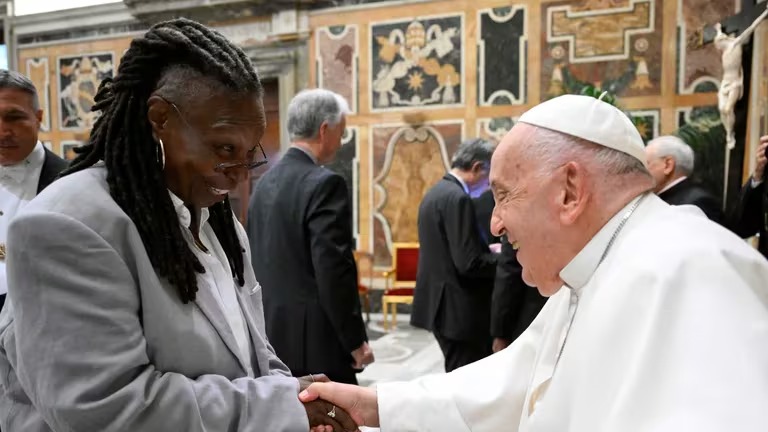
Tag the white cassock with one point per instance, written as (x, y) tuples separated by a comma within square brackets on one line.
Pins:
[(669, 333)]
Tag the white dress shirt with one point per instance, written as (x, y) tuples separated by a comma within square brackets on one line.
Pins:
[(672, 184), (218, 274), (461, 182), (18, 185)]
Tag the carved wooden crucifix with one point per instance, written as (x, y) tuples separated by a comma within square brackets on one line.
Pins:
[(737, 24)]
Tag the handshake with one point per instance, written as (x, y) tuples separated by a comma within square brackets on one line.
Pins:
[(334, 407)]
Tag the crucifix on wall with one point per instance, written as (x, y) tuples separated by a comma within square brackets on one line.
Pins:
[(732, 38)]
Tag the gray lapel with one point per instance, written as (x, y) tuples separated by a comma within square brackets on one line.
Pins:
[(210, 307), (257, 341)]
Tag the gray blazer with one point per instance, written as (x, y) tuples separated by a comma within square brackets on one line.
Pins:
[(94, 341)]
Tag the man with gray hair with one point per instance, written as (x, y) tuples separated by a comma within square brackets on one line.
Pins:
[(656, 320), (670, 161), (456, 269), (26, 166), (300, 232)]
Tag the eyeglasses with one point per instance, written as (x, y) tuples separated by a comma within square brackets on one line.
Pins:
[(225, 166)]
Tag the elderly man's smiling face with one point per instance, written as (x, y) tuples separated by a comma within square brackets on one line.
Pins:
[(527, 209)]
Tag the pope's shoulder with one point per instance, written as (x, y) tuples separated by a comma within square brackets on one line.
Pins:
[(671, 235)]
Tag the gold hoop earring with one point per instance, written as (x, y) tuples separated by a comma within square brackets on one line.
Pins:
[(162, 154)]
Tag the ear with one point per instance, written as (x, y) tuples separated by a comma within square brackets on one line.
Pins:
[(669, 165), (158, 112), (575, 194), (323, 130), (39, 116), (477, 167)]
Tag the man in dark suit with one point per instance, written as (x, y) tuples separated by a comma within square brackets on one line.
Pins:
[(300, 231), (483, 210), (26, 166), (515, 304), (455, 273), (670, 160), (751, 214)]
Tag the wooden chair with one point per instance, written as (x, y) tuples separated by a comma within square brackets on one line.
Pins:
[(364, 262), (400, 280)]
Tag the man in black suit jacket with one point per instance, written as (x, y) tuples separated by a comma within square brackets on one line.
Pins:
[(751, 214), (484, 210), (515, 304), (670, 160), (455, 274), (26, 166), (300, 231)]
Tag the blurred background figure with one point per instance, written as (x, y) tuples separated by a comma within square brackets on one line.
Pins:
[(456, 268), (300, 230), (484, 204), (750, 216), (26, 166), (671, 162), (514, 304)]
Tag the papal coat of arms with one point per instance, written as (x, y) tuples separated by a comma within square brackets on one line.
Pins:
[(417, 63)]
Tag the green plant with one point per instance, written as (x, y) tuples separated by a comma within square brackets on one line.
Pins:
[(642, 125)]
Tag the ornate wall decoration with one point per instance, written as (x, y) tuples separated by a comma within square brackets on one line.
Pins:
[(612, 44), (347, 164), (648, 123), (502, 42), (337, 61), (39, 72), (494, 129), (68, 149), (417, 63), (407, 161), (699, 70), (79, 79)]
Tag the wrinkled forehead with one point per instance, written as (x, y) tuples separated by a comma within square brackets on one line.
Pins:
[(508, 166)]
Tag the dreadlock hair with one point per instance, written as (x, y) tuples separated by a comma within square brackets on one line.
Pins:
[(122, 138)]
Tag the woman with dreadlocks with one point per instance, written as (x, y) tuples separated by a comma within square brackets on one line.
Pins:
[(133, 304)]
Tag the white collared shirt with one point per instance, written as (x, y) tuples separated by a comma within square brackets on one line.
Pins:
[(218, 274), (462, 182), (672, 184), (18, 185)]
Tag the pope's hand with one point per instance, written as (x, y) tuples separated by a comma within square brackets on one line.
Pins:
[(361, 403)]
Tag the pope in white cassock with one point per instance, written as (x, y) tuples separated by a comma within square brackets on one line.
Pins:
[(658, 317)]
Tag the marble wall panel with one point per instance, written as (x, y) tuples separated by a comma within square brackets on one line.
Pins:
[(347, 164), (79, 78), (502, 40), (337, 61), (406, 162), (39, 72), (417, 63), (699, 70), (612, 44)]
